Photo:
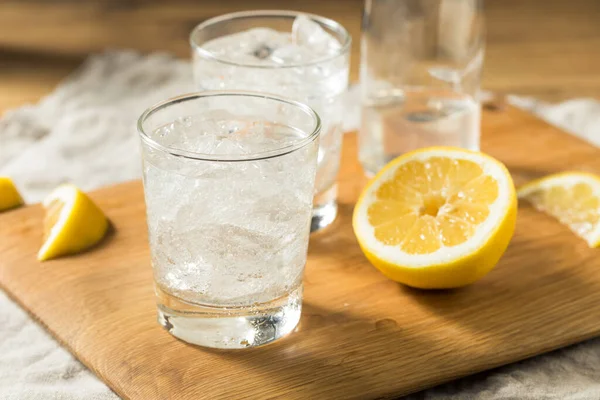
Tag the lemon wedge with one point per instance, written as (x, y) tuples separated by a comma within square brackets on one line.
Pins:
[(571, 197), (439, 217), (9, 195), (72, 223)]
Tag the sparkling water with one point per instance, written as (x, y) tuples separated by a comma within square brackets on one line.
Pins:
[(306, 64), (228, 238), (397, 121)]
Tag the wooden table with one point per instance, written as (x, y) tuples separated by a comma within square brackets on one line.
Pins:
[(546, 48)]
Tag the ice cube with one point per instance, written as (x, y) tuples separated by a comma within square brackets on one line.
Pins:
[(231, 146), (214, 134), (308, 33), (261, 43), (253, 46), (166, 135), (292, 54)]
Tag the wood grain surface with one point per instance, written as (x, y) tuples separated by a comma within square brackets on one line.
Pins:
[(361, 336), (543, 48)]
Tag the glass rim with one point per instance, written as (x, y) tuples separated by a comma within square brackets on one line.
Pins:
[(263, 155), (336, 26)]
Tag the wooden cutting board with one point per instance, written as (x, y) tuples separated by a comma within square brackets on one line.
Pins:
[(361, 336)]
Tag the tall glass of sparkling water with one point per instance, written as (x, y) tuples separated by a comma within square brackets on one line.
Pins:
[(229, 182), (301, 56), (421, 64)]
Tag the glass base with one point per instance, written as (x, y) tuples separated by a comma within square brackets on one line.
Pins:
[(230, 327), (324, 209)]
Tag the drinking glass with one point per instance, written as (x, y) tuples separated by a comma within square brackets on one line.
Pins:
[(420, 73), (228, 184), (301, 56)]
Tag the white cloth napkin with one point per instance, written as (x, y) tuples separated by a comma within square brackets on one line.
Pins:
[(84, 132)]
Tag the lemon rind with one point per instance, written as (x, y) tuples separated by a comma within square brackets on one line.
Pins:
[(66, 193)]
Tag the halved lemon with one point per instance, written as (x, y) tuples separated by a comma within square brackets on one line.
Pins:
[(73, 223), (9, 195), (571, 197), (439, 217)]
